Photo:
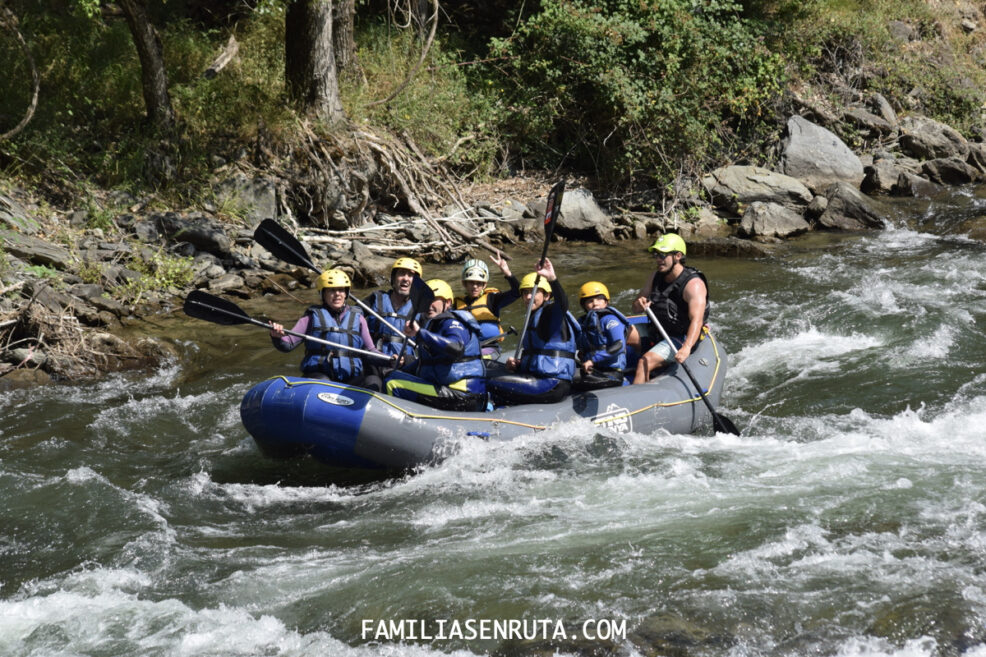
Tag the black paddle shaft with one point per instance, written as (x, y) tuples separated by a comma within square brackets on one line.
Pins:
[(551, 212), (720, 423)]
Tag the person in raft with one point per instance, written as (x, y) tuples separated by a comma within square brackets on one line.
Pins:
[(545, 370), (678, 296), (337, 322), (603, 342), (486, 303), (449, 373), (395, 306)]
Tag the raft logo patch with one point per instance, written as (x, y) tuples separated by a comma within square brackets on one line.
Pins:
[(333, 398), (616, 418)]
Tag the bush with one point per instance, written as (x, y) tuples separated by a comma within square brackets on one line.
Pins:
[(632, 89)]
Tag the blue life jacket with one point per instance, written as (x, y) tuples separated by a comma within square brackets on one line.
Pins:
[(341, 366), (594, 339), (554, 358), (441, 369), (388, 341)]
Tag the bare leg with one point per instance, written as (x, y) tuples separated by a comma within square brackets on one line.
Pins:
[(647, 363)]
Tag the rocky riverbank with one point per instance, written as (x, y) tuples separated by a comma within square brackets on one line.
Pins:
[(70, 278)]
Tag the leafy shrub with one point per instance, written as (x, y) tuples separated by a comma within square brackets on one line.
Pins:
[(630, 88)]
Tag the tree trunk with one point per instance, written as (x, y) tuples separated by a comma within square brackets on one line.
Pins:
[(310, 65), (343, 28), (154, 77)]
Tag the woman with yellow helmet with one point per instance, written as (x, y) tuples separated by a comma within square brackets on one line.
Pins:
[(337, 322), (449, 373), (606, 332), (395, 307), (486, 303), (546, 367), (678, 296)]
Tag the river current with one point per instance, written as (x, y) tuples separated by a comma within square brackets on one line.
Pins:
[(138, 518)]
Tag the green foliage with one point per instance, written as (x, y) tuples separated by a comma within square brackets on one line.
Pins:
[(437, 109), (158, 273), (42, 271), (630, 88)]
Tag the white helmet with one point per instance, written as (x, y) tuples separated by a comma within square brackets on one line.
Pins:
[(475, 270)]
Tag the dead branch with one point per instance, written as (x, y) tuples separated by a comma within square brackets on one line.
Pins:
[(424, 55), (225, 57)]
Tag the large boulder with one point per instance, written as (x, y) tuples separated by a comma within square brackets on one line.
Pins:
[(581, 217), (769, 221), (951, 171), (817, 157), (927, 139), (203, 233), (255, 198), (850, 209), (732, 188)]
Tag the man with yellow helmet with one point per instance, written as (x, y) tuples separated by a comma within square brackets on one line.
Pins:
[(486, 303), (449, 373), (678, 295), (335, 321), (603, 342), (547, 365), (395, 307)]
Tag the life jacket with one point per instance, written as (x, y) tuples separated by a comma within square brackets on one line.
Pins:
[(341, 366), (443, 370), (668, 303), (388, 341), (593, 338), (555, 357), (489, 324)]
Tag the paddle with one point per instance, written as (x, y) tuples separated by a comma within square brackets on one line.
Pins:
[(202, 305), (720, 423), (551, 212), (282, 244)]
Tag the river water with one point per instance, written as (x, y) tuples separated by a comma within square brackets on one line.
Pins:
[(138, 518)]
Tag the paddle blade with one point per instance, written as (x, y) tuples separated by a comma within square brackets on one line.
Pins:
[(202, 305), (282, 244), (551, 213), (421, 296), (723, 424)]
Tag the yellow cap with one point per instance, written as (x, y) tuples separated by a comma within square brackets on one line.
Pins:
[(591, 289), (441, 289), (332, 278), (407, 263), (527, 283), (668, 243)]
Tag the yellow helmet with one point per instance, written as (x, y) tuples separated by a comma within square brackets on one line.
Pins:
[(333, 278), (527, 283), (407, 263), (668, 243), (441, 289), (591, 289)]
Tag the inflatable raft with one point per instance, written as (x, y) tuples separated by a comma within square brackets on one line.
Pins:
[(346, 426)]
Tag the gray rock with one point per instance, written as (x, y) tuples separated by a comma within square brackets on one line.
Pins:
[(14, 215), (204, 233), (903, 31), (225, 283), (771, 220), (880, 178), (927, 139), (850, 209), (581, 217), (817, 157), (816, 207), (951, 171), (96, 296), (882, 106), (734, 187), (873, 125), (35, 251), (253, 198), (977, 155)]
